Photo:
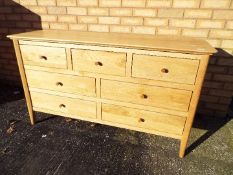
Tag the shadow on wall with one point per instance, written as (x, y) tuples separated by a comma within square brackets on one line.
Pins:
[(14, 18)]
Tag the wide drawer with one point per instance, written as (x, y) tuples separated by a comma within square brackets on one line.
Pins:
[(103, 62), (54, 57), (146, 95), (143, 119), (65, 105), (61, 82), (165, 68)]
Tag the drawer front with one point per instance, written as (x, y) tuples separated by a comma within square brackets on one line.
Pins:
[(102, 62), (165, 68), (146, 95), (44, 56), (143, 119), (61, 82), (65, 105)]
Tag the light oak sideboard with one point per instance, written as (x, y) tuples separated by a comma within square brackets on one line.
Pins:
[(139, 82)]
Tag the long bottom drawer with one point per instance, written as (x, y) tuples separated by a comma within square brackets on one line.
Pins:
[(66, 105), (143, 119)]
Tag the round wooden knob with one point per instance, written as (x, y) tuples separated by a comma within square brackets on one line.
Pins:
[(141, 120), (144, 96), (98, 63), (62, 106), (59, 84), (43, 57), (164, 70)]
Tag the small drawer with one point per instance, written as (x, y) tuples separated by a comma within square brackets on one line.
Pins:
[(65, 105), (146, 95), (103, 62), (61, 82), (143, 119), (165, 68), (54, 57)]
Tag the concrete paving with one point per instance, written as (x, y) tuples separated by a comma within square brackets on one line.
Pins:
[(59, 146)]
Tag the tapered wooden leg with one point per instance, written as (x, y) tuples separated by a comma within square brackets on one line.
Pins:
[(183, 145), (24, 81)]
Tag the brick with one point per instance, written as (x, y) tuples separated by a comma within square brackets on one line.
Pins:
[(41, 25), (188, 23), (76, 11), (229, 25), (109, 3), (133, 3), (121, 12), (13, 17), (215, 4), (11, 3), (5, 10), (223, 14), (221, 93), (120, 29), (28, 2), (213, 85), (227, 44), (98, 11), (170, 13), (98, 28), (155, 22), (143, 30), (88, 3), (47, 2), (186, 3), (18, 9), (56, 10), (224, 100), (225, 61), (159, 3), (88, 19), (67, 19), (66, 2), (197, 13), (58, 26), (48, 18), (168, 31), (144, 12), (109, 20), (217, 69), (222, 114), (202, 33), (28, 17), (208, 98), (224, 78), (217, 106), (38, 9), (23, 24), (214, 42), (78, 27), (210, 24), (205, 112), (222, 34), (228, 86), (132, 21)]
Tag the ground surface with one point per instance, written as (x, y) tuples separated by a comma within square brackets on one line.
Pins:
[(57, 146)]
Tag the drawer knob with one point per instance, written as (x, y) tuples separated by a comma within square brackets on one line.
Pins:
[(141, 120), (59, 84), (43, 57), (62, 106), (144, 96), (164, 70), (98, 63)]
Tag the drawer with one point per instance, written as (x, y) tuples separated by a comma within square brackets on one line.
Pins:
[(54, 57), (165, 68), (143, 119), (61, 82), (146, 95), (64, 105), (103, 62)]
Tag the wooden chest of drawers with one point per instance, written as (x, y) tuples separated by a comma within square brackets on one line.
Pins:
[(139, 82)]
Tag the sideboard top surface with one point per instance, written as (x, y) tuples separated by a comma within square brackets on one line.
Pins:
[(162, 43)]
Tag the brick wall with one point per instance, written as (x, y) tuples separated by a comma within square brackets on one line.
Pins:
[(208, 19)]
